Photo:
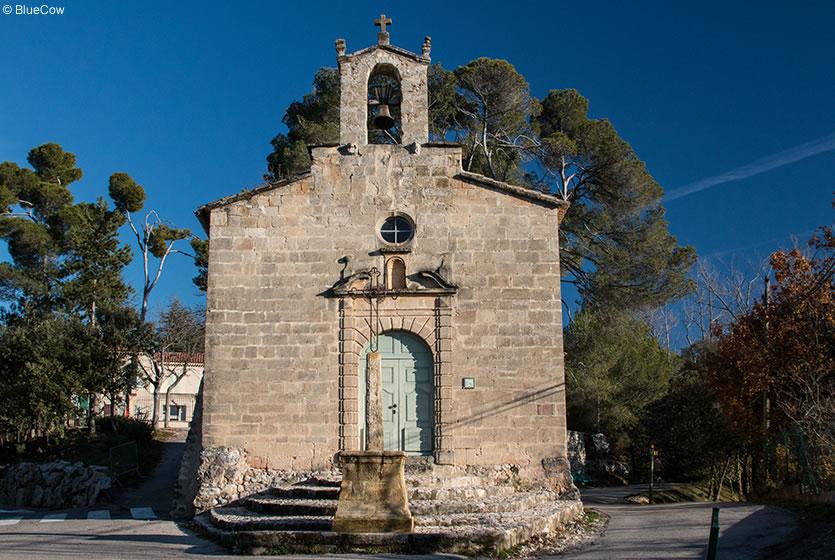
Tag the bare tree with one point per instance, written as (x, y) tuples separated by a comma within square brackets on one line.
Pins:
[(723, 293), (155, 238), (180, 338), (662, 322)]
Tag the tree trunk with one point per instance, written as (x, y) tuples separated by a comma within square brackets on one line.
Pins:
[(165, 408), (721, 481), (177, 380), (155, 412), (91, 414)]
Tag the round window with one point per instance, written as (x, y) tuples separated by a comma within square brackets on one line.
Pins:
[(396, 230)]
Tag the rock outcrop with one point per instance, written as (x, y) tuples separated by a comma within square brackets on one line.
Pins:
[(590, 456)]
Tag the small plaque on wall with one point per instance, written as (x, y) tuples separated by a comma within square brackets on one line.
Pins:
[(468, 383)]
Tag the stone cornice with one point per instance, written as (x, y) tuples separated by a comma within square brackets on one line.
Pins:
[(391, 48), (203, 212), (514, 190)]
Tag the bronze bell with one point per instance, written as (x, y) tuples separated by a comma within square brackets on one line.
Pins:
[(383, 119)]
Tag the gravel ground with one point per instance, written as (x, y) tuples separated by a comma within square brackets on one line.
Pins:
[(575, 535)]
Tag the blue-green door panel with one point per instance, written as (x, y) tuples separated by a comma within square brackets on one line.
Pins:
[(389, 374), (407, 372)]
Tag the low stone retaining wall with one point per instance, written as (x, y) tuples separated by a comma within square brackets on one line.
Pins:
[(56, 485), (225, 475)]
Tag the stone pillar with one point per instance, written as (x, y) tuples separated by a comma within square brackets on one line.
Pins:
[(373, 498), (374, 402)]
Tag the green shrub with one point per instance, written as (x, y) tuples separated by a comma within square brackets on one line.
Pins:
[(129, 428)]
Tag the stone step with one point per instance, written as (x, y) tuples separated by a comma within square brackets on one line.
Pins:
[(439, 540), (241, 519), (306, 492), (489, 534), (556, 511), (458, 493), (513, 503), (433, 481), (331, 482), (289, 506)]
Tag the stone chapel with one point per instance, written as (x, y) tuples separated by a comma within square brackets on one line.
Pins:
[(386, 245)]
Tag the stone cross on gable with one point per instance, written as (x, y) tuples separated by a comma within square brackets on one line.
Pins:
[(383, 35)]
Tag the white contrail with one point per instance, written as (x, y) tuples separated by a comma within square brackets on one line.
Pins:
[(809, 149)]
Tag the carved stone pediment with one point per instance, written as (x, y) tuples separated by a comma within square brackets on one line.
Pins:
[(430, 280), (357, 282), (421, 283)]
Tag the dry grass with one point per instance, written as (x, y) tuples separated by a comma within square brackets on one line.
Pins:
[(689, 492)]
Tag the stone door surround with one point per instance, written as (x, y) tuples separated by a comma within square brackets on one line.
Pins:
[(429, 317)]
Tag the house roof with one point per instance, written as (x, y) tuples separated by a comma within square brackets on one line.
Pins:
[(534, 196), (195, 358)]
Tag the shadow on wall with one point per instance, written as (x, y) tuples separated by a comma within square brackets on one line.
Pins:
[(185, 490), (500, 406)]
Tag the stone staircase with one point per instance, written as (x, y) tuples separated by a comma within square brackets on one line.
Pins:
[(453, 514)]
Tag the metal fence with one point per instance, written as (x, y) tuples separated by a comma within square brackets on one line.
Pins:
[(180, 409)]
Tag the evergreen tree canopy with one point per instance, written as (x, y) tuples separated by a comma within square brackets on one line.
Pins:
[(64, 256), (615, 242), (69, 329), (615, 368), (313, 120)]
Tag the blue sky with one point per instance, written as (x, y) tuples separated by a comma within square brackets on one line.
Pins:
[(186, 96)]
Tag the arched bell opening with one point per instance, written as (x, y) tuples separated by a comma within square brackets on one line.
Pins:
[(385, 97)]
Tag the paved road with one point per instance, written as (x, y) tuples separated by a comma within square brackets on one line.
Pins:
[(134, 526), (668, 531), (134, 530), (127, 539), (157, 491), (116, 538)]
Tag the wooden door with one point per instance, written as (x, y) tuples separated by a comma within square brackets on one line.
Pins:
[(408, 393)]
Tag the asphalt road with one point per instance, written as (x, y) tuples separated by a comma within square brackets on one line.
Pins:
[(668, 531)]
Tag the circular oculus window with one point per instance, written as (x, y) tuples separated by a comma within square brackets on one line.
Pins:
[(397, 230)]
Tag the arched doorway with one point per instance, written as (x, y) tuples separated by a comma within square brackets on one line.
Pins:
[(408, 393)]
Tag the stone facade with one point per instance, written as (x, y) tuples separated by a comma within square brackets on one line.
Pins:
[(287, 316)]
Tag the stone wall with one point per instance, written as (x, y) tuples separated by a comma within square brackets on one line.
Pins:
[(55, 485), (188, 484), (225, 475), (274, 354)]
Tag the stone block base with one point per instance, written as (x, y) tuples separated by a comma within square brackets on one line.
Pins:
[(372, 498)]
